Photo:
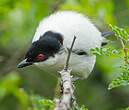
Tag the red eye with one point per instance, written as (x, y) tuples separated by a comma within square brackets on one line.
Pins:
[(40, 56)]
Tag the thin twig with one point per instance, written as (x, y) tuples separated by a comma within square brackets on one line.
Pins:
[(56, 5), (125, 51), (65, 101), (69, 53)]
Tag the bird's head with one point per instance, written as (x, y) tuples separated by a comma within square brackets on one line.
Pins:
[(47, 46)]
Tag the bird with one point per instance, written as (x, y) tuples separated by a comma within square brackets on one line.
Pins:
[(54, 35)]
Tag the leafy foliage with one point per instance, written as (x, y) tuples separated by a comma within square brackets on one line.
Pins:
[(83, 108), (121, 80), (9, 86), (125, 67), (122, 35), (106, 51), (49, 103), (120, 32)]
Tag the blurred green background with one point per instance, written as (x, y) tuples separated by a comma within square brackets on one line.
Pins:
[(20, 89)]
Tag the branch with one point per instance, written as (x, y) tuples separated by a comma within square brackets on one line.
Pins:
[(69, 53), (56, 5), (65, 102), (125, 51)]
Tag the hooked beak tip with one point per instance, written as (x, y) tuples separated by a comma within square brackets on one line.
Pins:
[(24, 63), (19, 66)]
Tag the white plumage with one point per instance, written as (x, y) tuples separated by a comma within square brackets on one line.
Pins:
[(70, 24)]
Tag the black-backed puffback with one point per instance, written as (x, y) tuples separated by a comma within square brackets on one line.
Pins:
[(55, 33)]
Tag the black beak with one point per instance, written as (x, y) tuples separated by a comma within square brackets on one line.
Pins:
[(24, 63)]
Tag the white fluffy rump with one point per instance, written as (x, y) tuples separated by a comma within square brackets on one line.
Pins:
[(70, 24)]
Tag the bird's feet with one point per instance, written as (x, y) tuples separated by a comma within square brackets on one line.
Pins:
[(75, 78)]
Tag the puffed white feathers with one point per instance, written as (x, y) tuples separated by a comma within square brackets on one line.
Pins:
[(70, 24)]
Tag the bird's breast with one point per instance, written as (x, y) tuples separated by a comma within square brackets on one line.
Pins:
[(80, 65)]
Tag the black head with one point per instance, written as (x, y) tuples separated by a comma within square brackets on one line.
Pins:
[(47, 46)]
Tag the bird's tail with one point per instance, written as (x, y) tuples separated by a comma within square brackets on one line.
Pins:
[(107, 33), (104, 40), (104, 34)]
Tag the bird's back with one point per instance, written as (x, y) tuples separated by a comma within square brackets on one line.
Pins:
[(70, 24)]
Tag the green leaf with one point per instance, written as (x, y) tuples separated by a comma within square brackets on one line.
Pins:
[(121, 80), (125, 67), (47, 102), (83, 108), (105, 51), (35, 102), (119, 32)]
